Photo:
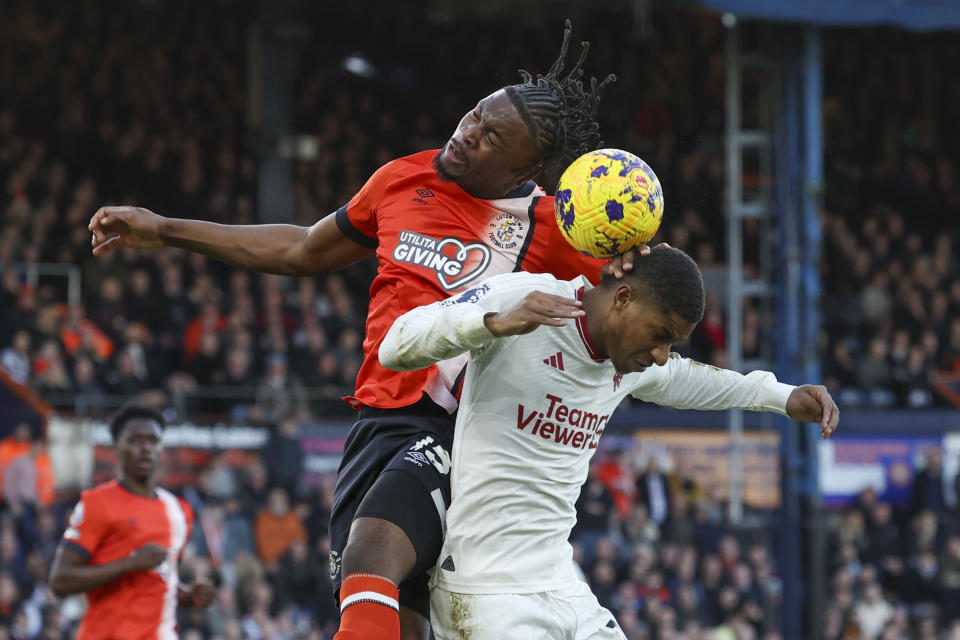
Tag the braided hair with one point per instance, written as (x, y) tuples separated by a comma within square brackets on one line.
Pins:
[(562, 117)]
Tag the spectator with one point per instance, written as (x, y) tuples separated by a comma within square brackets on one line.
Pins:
[(280, 393), (653, 491), (949, 580), (283, 456), (277, 528), (298, 578), (222, 532), (15, 359), (596, 514), (927, 493)]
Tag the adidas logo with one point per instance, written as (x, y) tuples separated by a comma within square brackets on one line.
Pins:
[(555, 361)]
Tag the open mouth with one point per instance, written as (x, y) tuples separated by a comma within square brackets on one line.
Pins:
[(455, 153)]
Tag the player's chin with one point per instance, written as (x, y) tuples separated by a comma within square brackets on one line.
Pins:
[(449, 169)]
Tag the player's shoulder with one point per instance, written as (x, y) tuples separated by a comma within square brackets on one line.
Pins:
[(533, 281), (544, 204), (171, 498), (418, 167), (98, 499), (103, 491), (412, 163)]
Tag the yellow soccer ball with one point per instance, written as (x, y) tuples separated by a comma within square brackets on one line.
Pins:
[(608, 201)]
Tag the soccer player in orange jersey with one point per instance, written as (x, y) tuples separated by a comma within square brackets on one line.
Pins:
[(439, 223), (123, 542)]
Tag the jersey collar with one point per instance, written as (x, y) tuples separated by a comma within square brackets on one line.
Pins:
[(595, 354)]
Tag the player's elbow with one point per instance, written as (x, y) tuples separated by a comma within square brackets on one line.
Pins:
[(392, 355), (391, 359), (60, 584)]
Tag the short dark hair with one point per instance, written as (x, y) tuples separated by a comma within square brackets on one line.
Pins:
[(562, 117), (120, 419), (670, 279)]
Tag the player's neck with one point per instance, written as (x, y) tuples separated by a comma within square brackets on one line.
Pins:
[(593, 302), (141, 487)]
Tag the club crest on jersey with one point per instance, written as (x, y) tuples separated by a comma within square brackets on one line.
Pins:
[(455, 263), (506, 232)]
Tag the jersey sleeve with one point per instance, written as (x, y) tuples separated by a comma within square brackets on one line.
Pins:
[(447, 328), (358, 218), (553, 254), (87, 526), (683, 383)]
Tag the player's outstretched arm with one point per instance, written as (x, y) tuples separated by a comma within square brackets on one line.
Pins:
[(70, 572), (503, 306), (270, 248), (813, 403), (687, 384)]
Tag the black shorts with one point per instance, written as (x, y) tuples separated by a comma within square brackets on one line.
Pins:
[(413, 444)]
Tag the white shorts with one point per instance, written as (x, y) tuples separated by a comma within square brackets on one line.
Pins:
[(569, 614)]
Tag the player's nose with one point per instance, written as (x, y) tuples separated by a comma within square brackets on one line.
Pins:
[(470, 133), (660, 354)]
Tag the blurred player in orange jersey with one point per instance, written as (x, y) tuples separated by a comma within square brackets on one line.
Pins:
[(123, 542)]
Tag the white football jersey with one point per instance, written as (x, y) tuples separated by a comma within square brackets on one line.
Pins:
[(532, 410)]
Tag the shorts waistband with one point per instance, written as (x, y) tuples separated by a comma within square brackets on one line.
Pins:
[(423, 407)]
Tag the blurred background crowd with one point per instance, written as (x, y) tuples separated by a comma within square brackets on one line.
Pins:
[(93, 118), (89, 116), (653, 544)]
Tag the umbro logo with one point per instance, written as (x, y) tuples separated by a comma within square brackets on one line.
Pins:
[(555, 361), (423, 194)]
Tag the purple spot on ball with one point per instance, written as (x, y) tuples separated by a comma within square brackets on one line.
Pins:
[(599, 171), (629, 161), (652, 202), (565, 207), (614, 210), (608, 246)]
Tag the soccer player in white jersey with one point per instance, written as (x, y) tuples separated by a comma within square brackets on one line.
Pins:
[(533, 407)]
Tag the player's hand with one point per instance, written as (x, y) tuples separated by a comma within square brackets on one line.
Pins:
[(812, 403), (624, 262), (147, 557), (200, 594), (535, 309), (116, 227)]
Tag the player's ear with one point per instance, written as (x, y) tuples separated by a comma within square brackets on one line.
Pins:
[(529, 174), (623, 295)]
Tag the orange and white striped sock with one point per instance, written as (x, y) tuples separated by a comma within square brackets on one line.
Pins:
[(369, 608)]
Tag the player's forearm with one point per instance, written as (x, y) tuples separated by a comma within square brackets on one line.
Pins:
[(268, 248), (67, 579), (433, 333), (689, 384)]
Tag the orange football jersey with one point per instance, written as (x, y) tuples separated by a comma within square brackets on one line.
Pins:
[(434, 240), (111, 522)]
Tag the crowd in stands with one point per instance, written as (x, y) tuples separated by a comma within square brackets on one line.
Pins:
[(83, 123), (892, 291), (90, 116), (651, 539), (259, 537), (656, 550)]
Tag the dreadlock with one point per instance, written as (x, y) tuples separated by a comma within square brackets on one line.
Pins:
[(561, 116)]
